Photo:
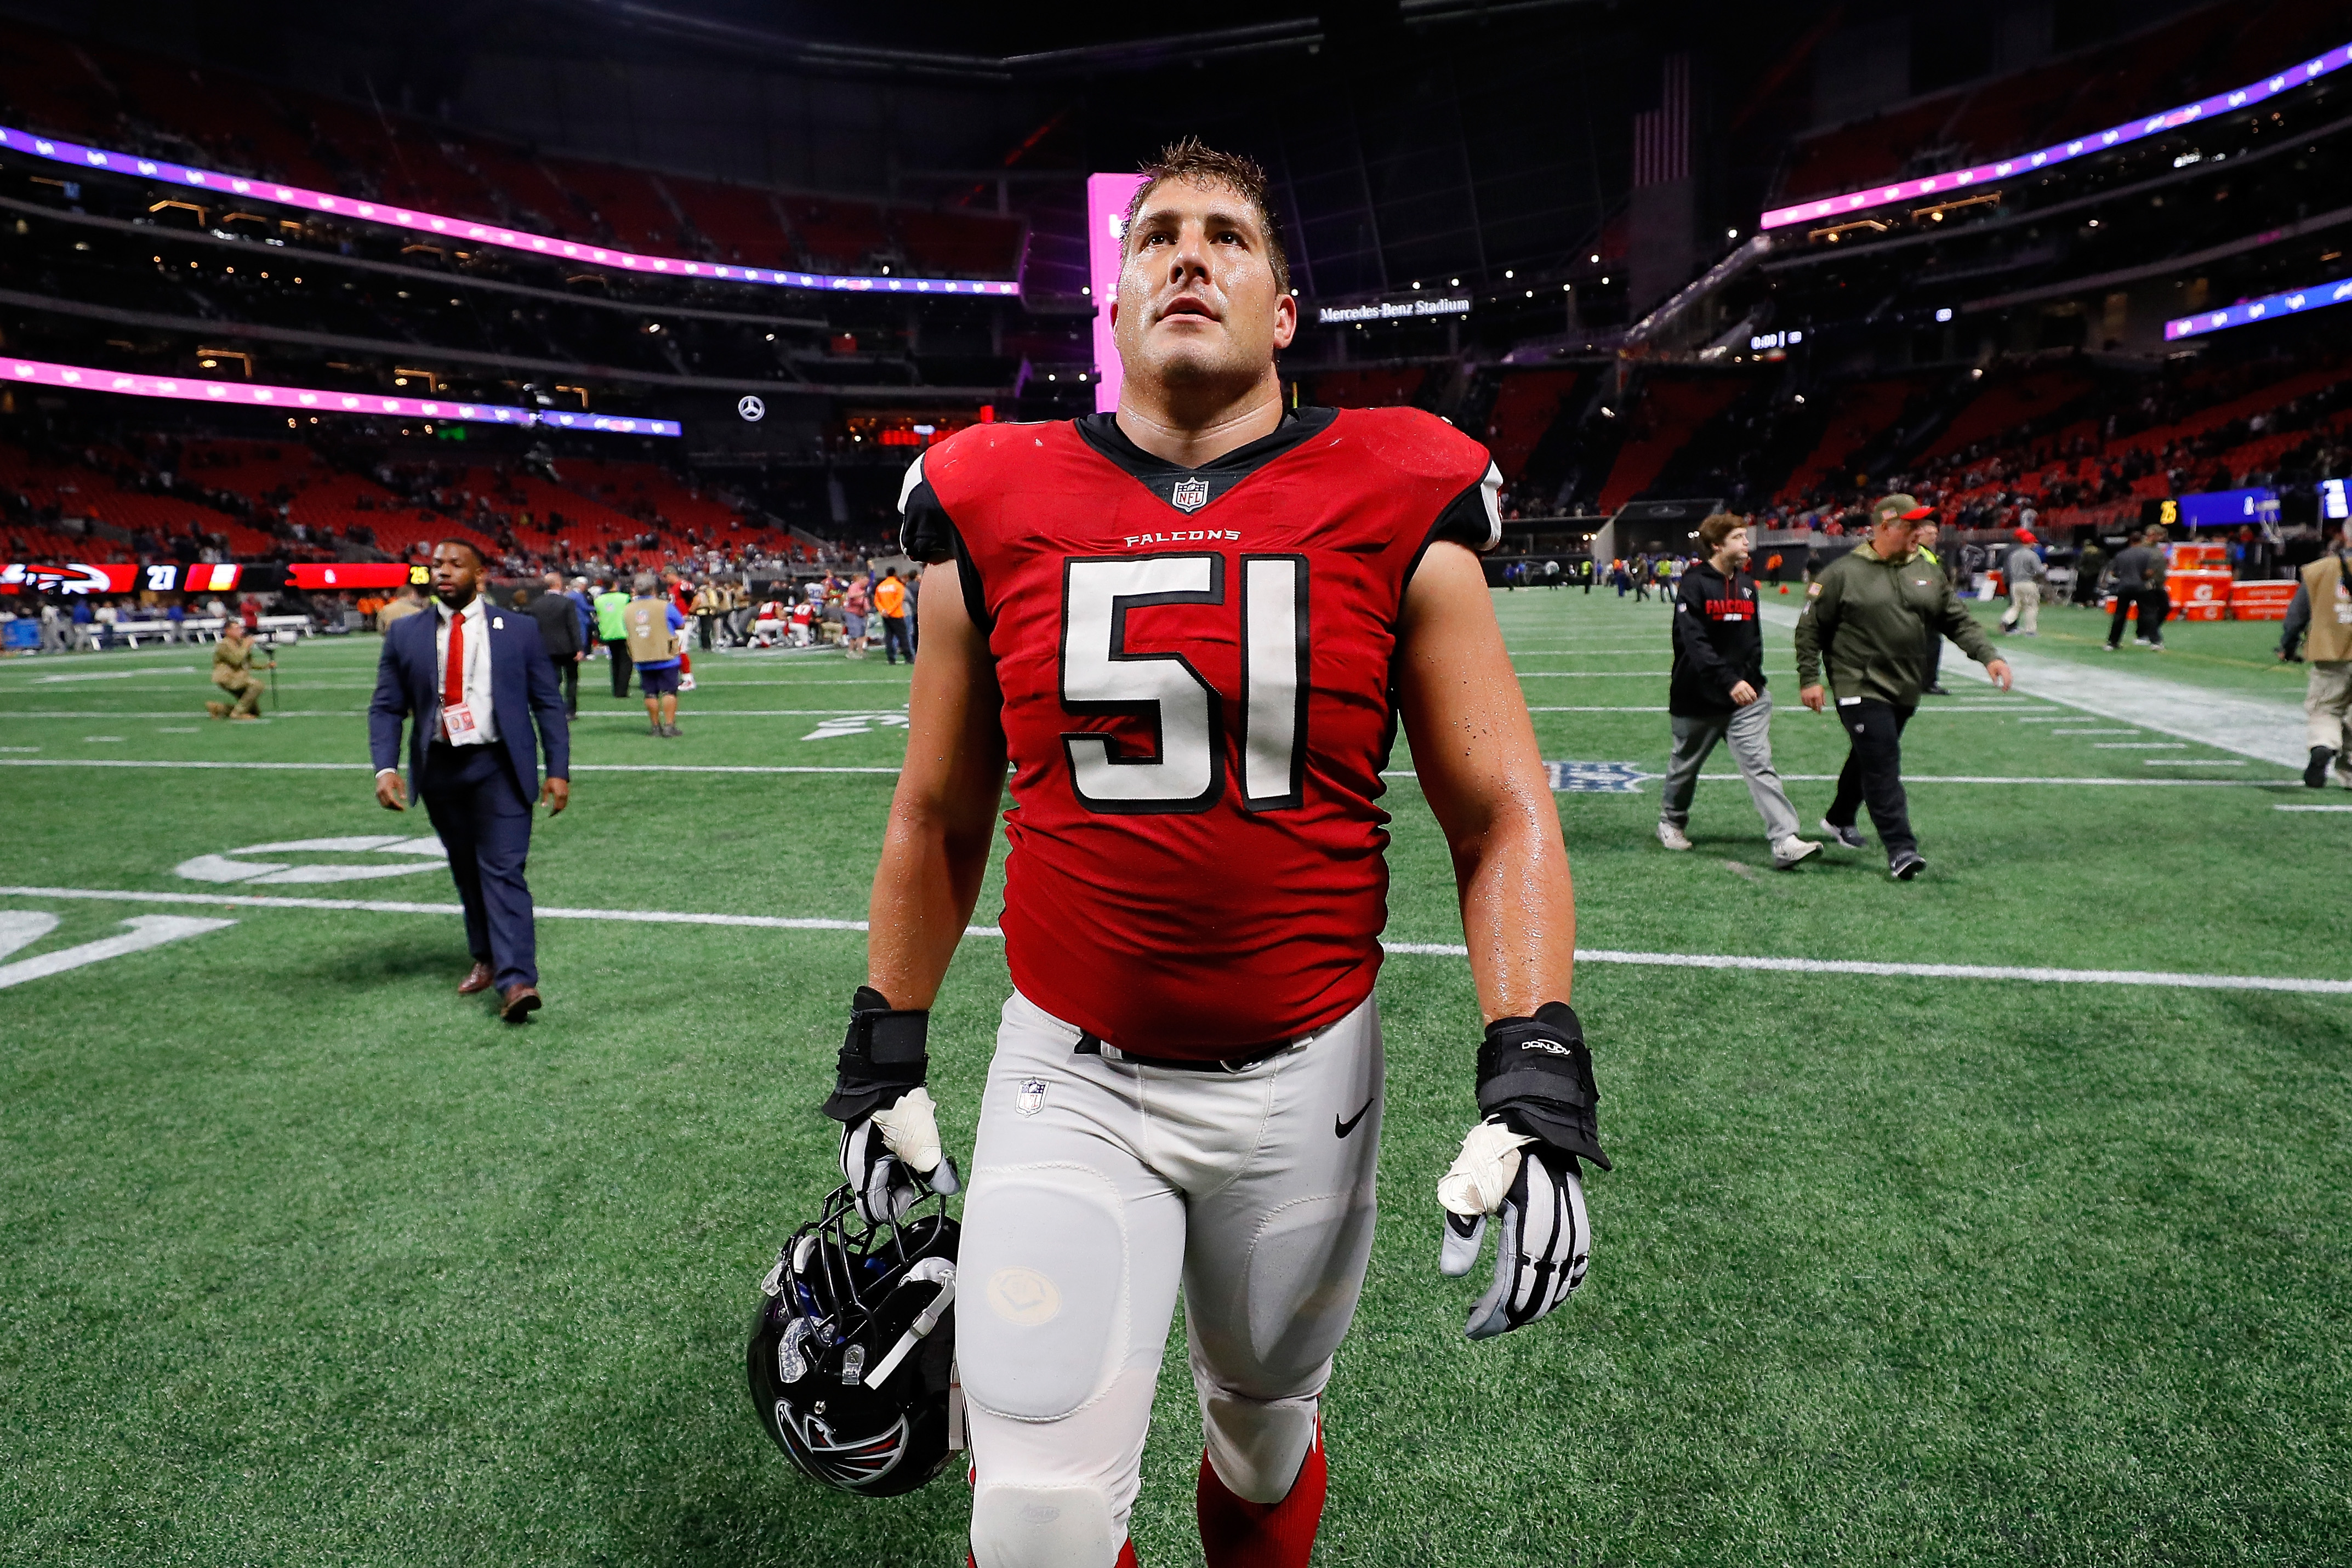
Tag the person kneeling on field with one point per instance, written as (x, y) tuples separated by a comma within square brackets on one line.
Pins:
[(235, 673), (1718, 692)]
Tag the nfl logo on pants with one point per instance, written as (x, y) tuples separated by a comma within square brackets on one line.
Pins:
[(1031, 1098)]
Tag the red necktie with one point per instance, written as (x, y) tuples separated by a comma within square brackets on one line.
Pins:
[(453, 679)]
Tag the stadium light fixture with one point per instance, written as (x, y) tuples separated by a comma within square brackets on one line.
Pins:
[(1506, 272), (89, 377), (85, 158), (2287, 302), (2219, 103)]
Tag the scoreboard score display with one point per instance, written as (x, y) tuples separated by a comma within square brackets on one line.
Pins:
[(264, 576)]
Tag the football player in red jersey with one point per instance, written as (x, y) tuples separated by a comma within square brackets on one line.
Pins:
[(1192, 627)]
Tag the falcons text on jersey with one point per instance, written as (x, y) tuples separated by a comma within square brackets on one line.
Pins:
[(1195, 672)]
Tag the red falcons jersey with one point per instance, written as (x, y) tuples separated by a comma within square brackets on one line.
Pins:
[(1196, 669)]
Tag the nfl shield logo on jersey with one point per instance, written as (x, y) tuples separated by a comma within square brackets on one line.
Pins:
[(1031, 1098), (1189, 495)]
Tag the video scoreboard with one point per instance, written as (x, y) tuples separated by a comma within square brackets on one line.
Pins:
[(261, 576)]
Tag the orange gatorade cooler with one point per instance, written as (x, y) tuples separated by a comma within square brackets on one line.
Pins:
[(2261, 601), (2191, 591), (2197, 558)]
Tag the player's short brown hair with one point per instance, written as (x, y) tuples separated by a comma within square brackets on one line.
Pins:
[(1196, 164), (466, 545), (1717, 529)]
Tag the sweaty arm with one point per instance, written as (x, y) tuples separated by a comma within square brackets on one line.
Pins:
[(1474, 750), (944, 816)]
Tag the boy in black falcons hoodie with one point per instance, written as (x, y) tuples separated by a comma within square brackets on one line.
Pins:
[(1718, 692)]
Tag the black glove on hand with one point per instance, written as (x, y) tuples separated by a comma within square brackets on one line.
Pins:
[(889, 1134), (1537, 1094)]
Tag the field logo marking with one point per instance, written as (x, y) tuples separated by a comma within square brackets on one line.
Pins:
[(227, 868), (145, 931), (855, 723), (1596, 777)]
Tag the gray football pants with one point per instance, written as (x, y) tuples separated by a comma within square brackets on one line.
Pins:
[(1749, 731), (1099, 1186)]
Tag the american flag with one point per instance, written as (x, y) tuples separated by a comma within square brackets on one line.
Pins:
[(1661, 135)]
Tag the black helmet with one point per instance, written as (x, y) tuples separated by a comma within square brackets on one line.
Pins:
[(853, 1353)]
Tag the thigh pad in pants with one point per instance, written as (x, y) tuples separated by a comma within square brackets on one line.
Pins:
[(1045, 1326)]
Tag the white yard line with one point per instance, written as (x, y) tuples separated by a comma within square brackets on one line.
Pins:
[(2258, 727), (638, 716), (2312, 807), (1392, 773), (363, 767), (1911, 778), (2037, 975)]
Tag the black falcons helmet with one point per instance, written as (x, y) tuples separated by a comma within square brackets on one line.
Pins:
[(852, 1353)]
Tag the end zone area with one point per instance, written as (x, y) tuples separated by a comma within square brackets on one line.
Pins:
[(307, 1259)]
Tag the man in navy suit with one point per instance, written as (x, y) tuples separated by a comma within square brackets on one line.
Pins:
[(474, 680)]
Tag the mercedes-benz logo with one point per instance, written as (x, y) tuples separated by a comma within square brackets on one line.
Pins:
[(751, 408)]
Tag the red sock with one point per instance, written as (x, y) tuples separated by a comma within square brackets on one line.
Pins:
[(1239, 1534)]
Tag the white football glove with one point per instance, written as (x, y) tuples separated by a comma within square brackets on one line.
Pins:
[(891, 1158), (1545, 1239), (889, 1130)]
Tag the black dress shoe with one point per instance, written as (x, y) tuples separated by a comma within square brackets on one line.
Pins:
[(1935, 691), (477, 979), (517, 1003)]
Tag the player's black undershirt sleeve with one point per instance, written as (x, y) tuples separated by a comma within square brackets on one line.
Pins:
[(927, 533), (1474, 517)]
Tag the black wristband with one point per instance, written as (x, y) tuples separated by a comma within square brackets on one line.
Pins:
[(882, 1058), (1537, 1075)]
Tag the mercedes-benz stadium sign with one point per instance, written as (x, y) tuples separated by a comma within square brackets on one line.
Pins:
[(1395, 309)]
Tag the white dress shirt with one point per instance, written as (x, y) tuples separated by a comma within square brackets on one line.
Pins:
[(475, 675)]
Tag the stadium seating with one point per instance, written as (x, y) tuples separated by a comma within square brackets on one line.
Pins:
[(1526, 405), (629, 203), (739, 225), (959, 245), (1382, 388), (1671, 410), (48, 84), (1862, 413), (834, 234), (2006, 403)]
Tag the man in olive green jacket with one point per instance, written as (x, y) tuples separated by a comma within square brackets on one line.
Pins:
[(1870, 613)]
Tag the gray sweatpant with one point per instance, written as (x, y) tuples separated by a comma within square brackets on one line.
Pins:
[(1749, 730)]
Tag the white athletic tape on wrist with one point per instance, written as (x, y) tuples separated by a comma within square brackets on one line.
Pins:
[(910, 1130), (1483, 1172)]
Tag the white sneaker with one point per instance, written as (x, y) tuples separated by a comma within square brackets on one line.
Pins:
[(1789, 851), (1674, 837)]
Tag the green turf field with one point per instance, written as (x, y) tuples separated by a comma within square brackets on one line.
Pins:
[(303, 1260), (2240, 657)]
